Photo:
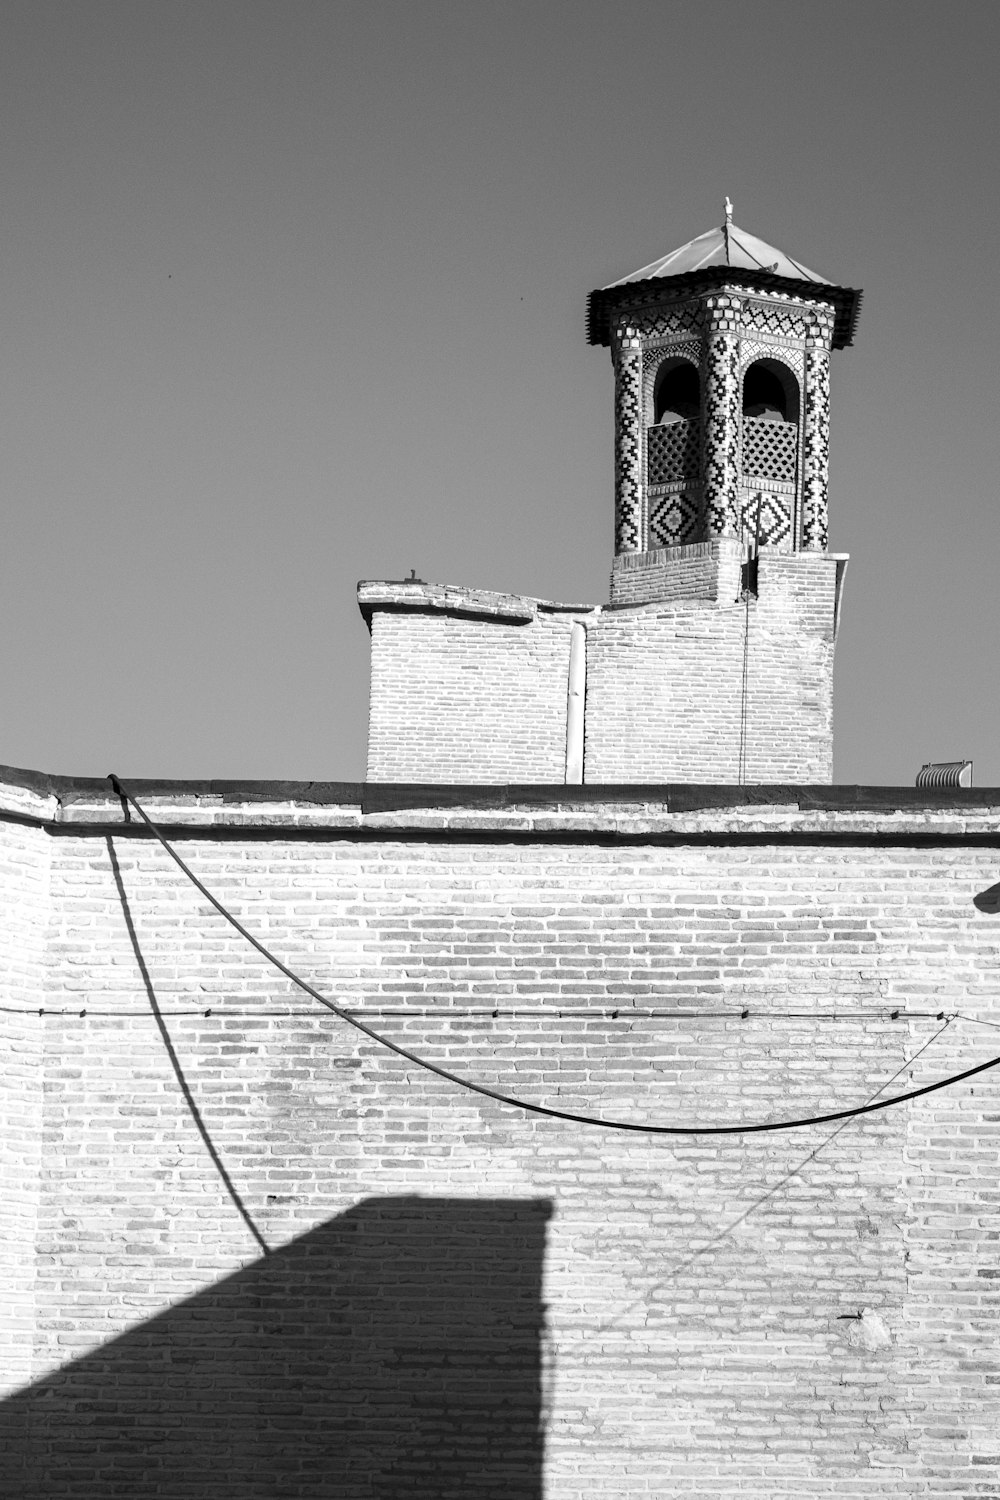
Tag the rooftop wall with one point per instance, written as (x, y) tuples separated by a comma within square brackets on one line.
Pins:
[(682, 676), (273, 1258), (24, 950), (457, 696)]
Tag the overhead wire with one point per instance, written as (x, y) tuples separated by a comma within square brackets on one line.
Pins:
[(551, 1012), (497, 1095), (976, 1020), (782, 1181)]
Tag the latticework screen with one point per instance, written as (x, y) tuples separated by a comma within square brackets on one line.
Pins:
[(673, 452), (770, 449)]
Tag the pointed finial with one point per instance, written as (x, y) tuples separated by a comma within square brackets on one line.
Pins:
[(729, 211)]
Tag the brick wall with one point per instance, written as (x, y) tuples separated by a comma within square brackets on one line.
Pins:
[(665, 683), (468, 686), (25, 909), (460, 1298), (465, 686), (703, 571)]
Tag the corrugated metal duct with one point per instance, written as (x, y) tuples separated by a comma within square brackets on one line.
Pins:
[(944, 773)]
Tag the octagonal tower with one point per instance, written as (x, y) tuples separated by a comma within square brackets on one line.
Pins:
[(721, 352), (714, 660)]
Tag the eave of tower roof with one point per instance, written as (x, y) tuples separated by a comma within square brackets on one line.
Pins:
[(709, 260)]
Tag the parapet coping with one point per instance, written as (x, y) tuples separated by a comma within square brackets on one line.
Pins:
[(415, 595), (606, 813)]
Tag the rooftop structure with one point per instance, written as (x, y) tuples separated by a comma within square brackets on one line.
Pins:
[(707, 259), (713, 658), (495, 1140)]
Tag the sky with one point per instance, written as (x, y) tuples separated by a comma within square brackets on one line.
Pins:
[(294, 294)]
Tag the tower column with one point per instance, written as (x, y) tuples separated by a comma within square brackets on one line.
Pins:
[(816, 448), (628, 444), (721, 422)]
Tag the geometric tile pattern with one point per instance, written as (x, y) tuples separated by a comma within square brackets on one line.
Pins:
[(628, 452), (722, 428), (680, 482), (779, 318), (655, 354), (770, 449), (816, 450), (676, 519), (768, 517), (673, 452), (750, 351), (682, 317)]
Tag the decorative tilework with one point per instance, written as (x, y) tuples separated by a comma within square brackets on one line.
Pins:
[(770, 449), (820, 329), (653, 355), (675, 518), (662, 497), (779, 318), (775, 518), (673, 452), (722, 426), (751, 350), (628, 451), (816, 450), (682, 317)]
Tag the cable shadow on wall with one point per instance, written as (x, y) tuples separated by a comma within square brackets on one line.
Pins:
[(171, 1051), (705, 1251), (393, 1352)]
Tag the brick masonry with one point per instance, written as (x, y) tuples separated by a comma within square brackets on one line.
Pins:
[(703, 572), (24, 900), (458, 695), (665, 685), (681, 673), (460, 1298), (682, 677)]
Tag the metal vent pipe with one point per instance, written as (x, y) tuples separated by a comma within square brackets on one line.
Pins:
[(575, 703)]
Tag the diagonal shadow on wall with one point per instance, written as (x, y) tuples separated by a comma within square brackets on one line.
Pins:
[(393, 1351)]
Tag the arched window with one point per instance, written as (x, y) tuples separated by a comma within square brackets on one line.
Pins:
[(676, 392), (770, 391), (673, 438), (770, 422)]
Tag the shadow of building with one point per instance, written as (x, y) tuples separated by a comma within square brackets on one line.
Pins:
[(393, 1351)]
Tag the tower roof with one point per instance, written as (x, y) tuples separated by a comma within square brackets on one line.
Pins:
[(709, 260)]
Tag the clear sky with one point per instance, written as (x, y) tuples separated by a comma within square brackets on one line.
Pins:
[(294, 294)]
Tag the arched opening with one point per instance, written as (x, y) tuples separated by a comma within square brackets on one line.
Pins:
[(770, 422), (676, 392), (770, 392)]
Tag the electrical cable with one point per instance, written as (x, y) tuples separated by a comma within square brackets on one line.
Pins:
[(782, 1181), (554, 1012), (495, 1094), (977, 1020)]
